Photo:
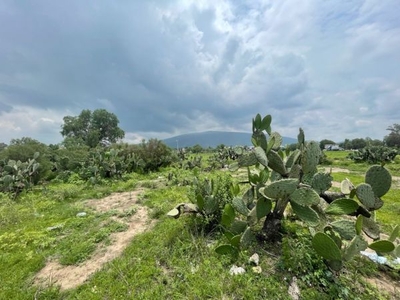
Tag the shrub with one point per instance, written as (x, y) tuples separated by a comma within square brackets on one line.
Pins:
[(374, 155)]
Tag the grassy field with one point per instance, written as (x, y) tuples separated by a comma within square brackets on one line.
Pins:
[(171, 259)]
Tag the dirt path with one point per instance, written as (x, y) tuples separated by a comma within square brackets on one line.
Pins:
[(68, 277)]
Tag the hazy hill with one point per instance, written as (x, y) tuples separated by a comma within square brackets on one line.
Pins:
[(215, 138)]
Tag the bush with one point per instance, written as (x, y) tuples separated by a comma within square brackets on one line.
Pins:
[(216, 194), (154, 154), (374, 154), (24, 149)]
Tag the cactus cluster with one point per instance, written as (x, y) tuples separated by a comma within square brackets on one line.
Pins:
[(108, 164), (279, 178), (209, 198), (16, 176), (374, 154)]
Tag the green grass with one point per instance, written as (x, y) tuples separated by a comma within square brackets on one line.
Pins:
[(177, 264), (388, 215), (176, 259)]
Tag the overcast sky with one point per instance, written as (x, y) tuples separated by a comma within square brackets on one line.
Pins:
[(172, 67)]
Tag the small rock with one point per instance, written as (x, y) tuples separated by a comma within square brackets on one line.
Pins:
[(257, 270), (235, 270), (294, 291), (254, 259), (55, 227), (81, 214)]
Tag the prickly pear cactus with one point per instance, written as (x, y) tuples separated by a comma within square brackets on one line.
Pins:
[(310, 157), (276, 163), (280, 189), (379, 179), (279, 178)]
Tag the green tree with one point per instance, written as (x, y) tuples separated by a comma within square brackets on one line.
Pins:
[(155, 154), (393, 139), (371, 142), (325, 142), (197, 148), (358, 143), (346, 144), (3, 146), (24, 149), (92, 128)]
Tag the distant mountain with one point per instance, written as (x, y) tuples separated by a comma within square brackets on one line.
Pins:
[(215, 138)]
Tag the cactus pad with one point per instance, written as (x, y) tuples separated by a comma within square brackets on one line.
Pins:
[(366, 195), (280, 189), (359, 224), (321, 182), (259, 139), (261, 156), (333, 235), (247, 160), (248, 196), (295, 171), (379, 179), (356, 245), (252, 217), (305, 197), (210, 204), (305, 213), (346, 186), (301, 136), (342, 206), (395, 233), (239, 205), (263, 207), (278, 140), (174, 213), (247, 237), (371, 228), (292, 158), (238, 226), (276, 163), (310, 157), (377, 204), (345, 228), (308, 177), (226, 249), (228, 215), (382, 246), (326, 247)]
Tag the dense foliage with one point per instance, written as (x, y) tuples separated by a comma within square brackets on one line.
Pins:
[(393, 139), (277, 179), (374, 155), (232, 213), (99, 127)]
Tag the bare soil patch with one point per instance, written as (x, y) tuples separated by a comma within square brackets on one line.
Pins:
[(68, 277), (336, 170), (385, 283)]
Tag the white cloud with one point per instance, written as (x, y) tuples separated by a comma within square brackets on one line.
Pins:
[(41, 124), (171, 67)]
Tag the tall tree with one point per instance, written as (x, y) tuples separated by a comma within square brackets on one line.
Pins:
[(358, 143), (93, 128), (325, 142), (393, 139)]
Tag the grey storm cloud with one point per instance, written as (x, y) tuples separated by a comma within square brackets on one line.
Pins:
[(170, 67)]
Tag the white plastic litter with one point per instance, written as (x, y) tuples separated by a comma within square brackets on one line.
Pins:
[(374, 257), (235, 270), (391, 262)]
